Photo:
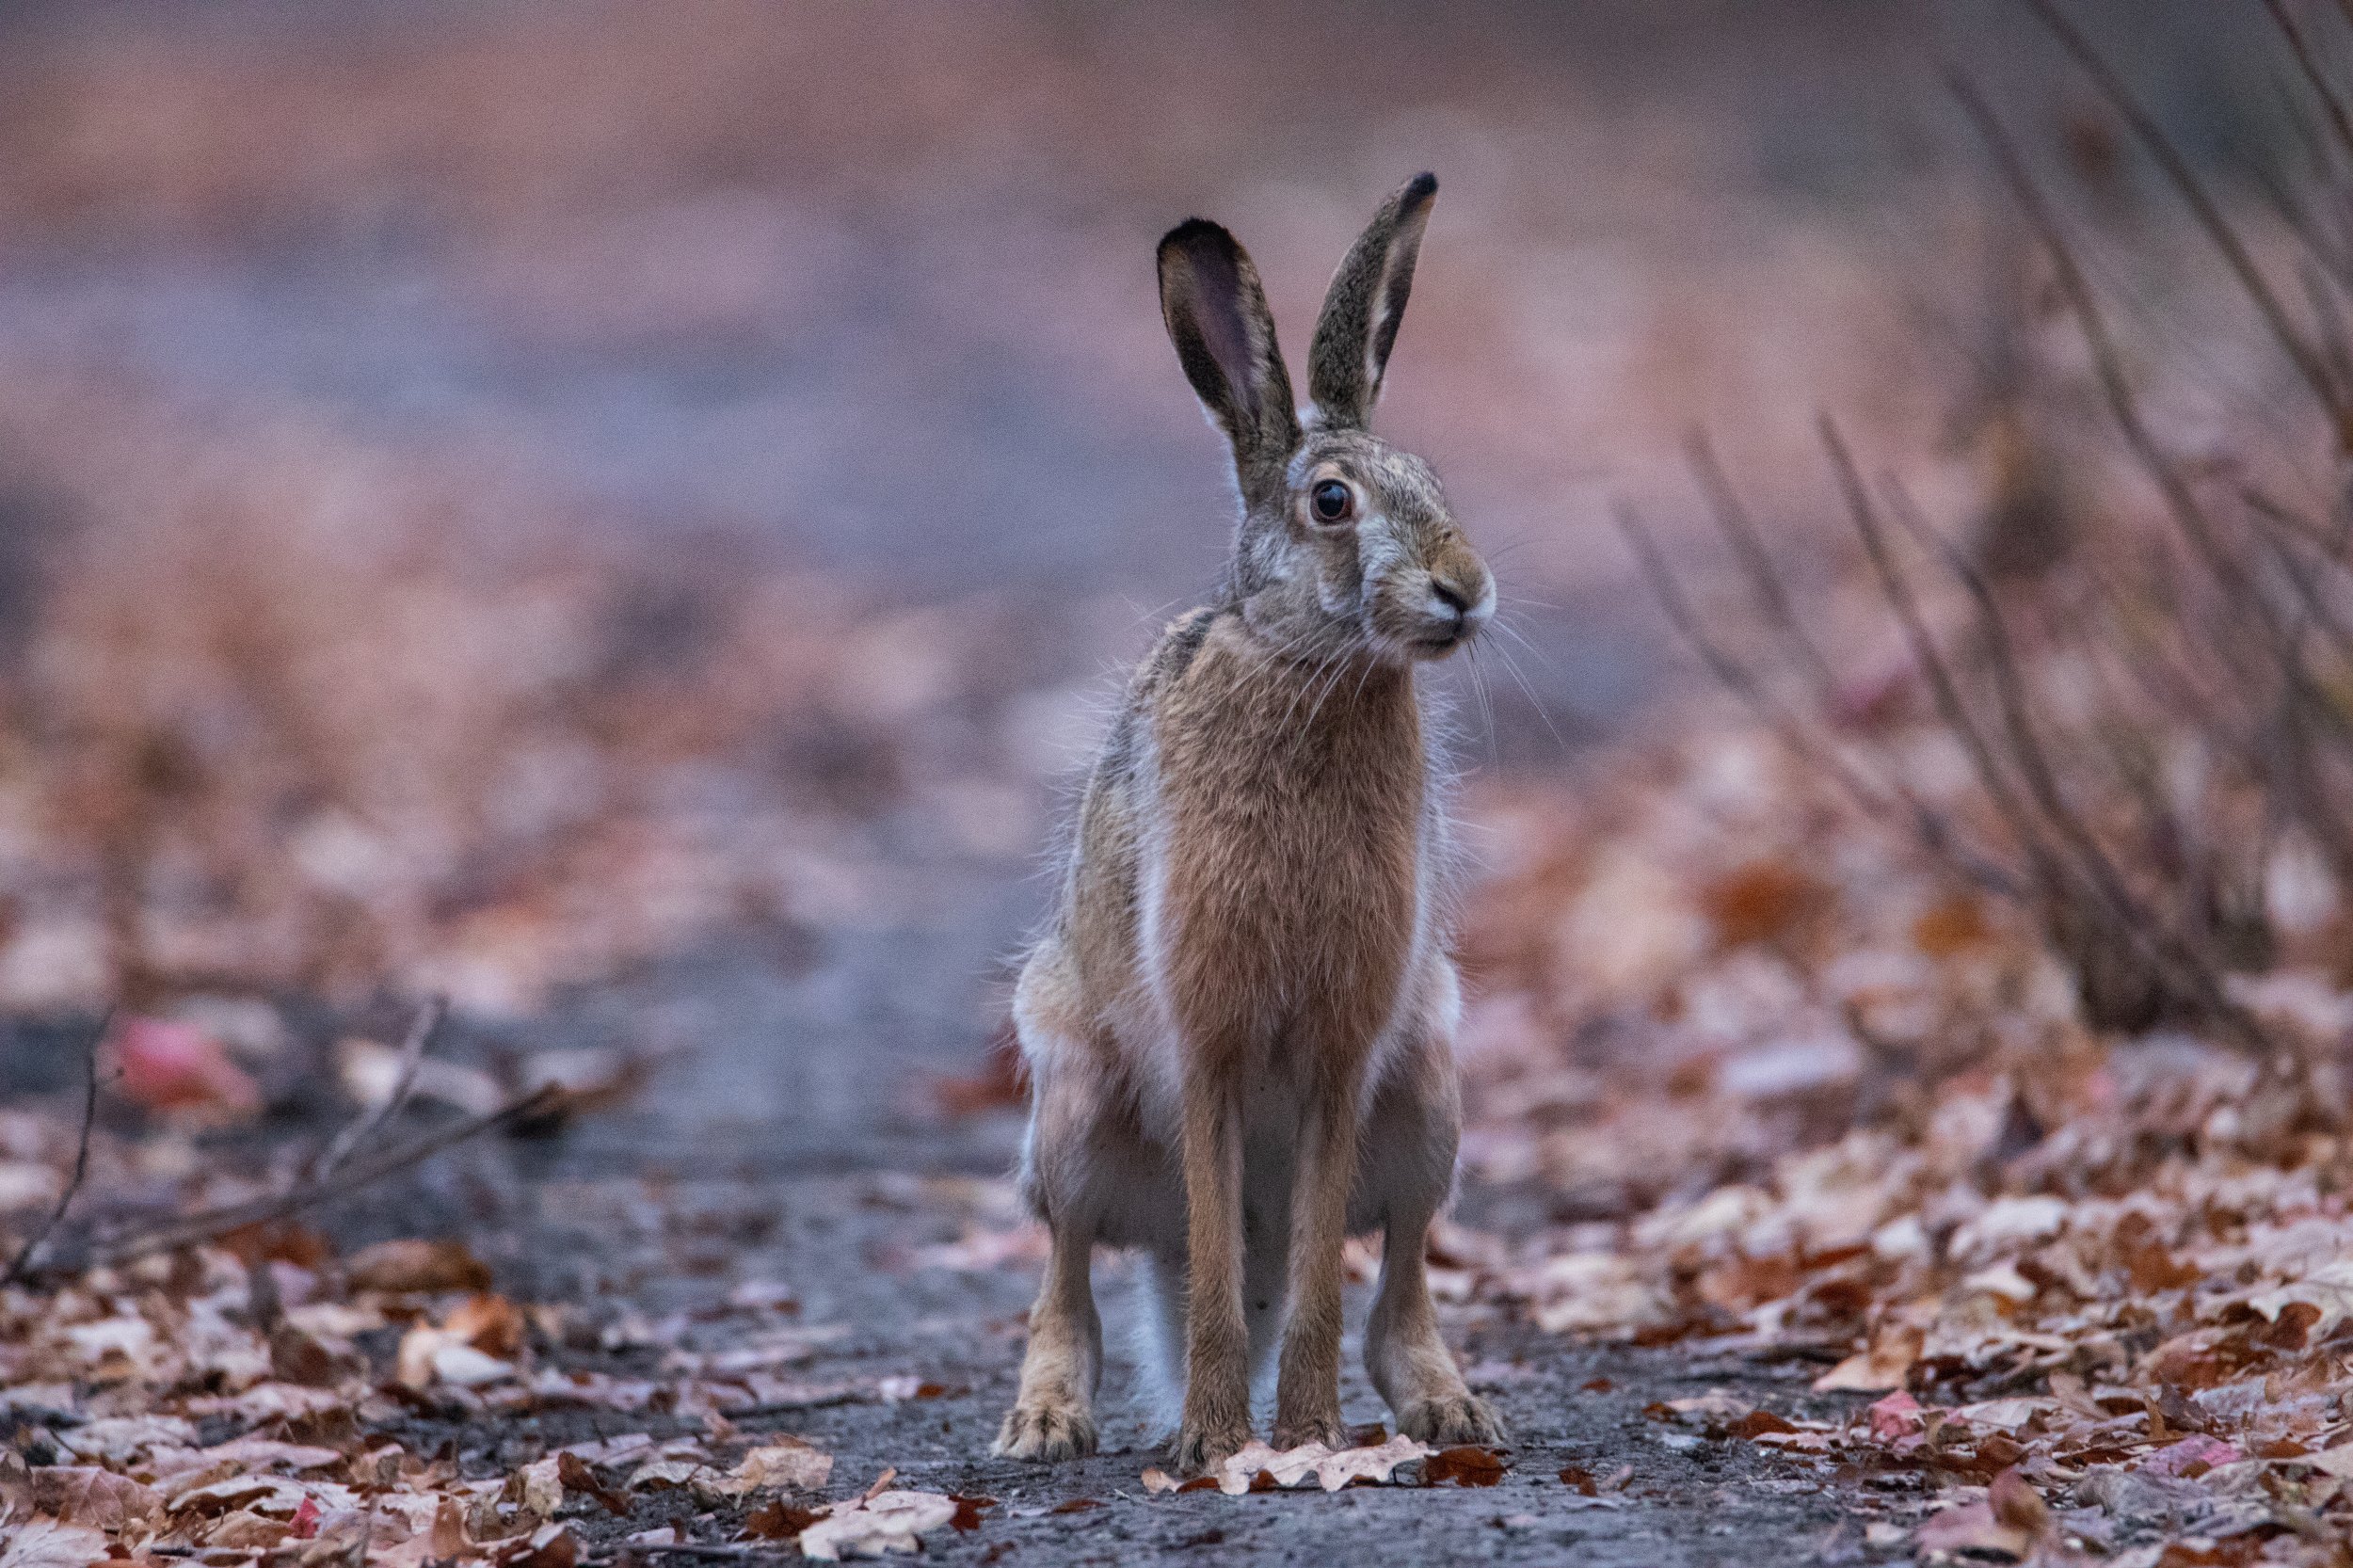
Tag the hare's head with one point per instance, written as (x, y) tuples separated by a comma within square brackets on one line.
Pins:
[(1344, 539)]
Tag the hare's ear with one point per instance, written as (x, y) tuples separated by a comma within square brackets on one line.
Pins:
[(1361, 310), (1224, 335)]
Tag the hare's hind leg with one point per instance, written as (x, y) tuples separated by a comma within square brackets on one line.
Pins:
[(1402, 1182), (1053, 1414)]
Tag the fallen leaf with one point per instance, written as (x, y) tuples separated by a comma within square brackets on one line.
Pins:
[(1259, 1467), (1764, 902), (2191, 1457), (540, 1485), (120, 1439), (874, 1524), (790, 1465), (781, 1520), (573, 1472), (245, 1530), (1373, 1462), (2018, 1506), (418, 1265), (1884, 1366), (50, 1543), (430, 1354), (170, 1065), (266, 1454), (1757, 1423), (491, 1324), (1897, 1416), (548, 1546), (2337, 1462), (85, 1494), (1716, 1406), (1464, 1466), (1972, 1528)]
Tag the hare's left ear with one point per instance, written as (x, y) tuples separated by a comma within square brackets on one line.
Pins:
[(1362, 310)]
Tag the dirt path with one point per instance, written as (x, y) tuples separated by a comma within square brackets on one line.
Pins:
[(786, 1177)]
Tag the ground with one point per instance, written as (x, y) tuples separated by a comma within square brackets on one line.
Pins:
[(677, 1205)]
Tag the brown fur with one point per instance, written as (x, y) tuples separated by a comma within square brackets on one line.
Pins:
[(1240, 1025)]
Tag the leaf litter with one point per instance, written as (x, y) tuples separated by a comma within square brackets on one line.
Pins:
[(1799, 1099)]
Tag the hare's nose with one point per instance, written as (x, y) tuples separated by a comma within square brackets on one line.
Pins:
[(1450, 601)]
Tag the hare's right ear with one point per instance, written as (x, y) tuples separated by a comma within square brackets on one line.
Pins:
[(1350, 352), (1224, 335)]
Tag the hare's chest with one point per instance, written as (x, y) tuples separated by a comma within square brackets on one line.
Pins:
[(1288, 890)]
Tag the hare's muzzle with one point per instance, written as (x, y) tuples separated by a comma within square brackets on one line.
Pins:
[(1459, 603)]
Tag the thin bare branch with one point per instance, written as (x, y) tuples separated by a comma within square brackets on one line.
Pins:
[(2240, 591), (1757, 564), (370, 1120), (2185, 183), (1934, 668), (2141, 927), (2308, 63), (1931, 828), (21, 1266), (212, 1223)]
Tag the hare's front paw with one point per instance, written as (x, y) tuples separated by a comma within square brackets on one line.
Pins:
[(1300, 1431), (1203, 1445), (1445, 1419), (1048, 1428)]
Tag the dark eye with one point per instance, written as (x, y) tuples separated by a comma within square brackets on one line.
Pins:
[(1331, 501)]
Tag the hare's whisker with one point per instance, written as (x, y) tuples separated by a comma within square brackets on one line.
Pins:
[(1486, 709), (1512, 669)]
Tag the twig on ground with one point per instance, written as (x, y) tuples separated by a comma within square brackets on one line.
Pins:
[(827, 1401), (212, 1223), (21, 1266), (372, 1118)]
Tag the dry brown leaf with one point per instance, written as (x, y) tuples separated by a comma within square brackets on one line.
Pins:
[(245, 1529), (2018, 1506), (882, 1522), (49, 1544), (1884, 1366), (787, 1465), (491, 1324), (1972, 1528), (85, 1494), (418, 1265), (548, 1546), (780, 1521), (1464, 1466)]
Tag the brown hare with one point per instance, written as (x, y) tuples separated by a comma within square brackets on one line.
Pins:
[(1239, 1028)]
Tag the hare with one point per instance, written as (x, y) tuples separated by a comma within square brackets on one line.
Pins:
[(1238, 1026)]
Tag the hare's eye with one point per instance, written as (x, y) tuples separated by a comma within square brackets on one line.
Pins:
[(1331, 501)]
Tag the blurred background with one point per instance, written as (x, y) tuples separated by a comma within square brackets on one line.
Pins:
[(629, 514), (632, 517)]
